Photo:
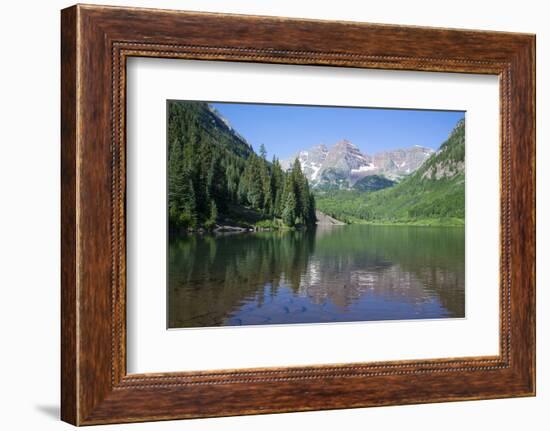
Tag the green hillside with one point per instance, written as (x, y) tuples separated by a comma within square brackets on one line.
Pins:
[(373, 183), (433, 195)]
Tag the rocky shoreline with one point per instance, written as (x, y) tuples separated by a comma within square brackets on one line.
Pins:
[(322, 220)]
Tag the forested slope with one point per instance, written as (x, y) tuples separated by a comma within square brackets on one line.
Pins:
[(215, 177)]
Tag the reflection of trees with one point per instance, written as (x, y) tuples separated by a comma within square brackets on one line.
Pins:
[(211, 277)]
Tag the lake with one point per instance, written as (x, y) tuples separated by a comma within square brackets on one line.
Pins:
[(328, 274)]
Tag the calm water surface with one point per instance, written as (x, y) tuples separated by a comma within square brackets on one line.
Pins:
[(331, 274)]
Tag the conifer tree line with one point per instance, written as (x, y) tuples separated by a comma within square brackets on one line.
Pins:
[(212, 172)]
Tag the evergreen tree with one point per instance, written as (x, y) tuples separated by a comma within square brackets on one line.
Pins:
[(232, 179), (277, 185), (204, 160), (301, 190), (263, 151), (311, 218), (289, 210), (242, 190), (217, 183), (253, 177), (181, 196), (211, 222), (267, 204)]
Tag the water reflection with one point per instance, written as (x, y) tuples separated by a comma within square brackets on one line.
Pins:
[(337, 274)]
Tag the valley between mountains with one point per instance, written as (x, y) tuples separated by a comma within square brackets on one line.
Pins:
[(216, 181)]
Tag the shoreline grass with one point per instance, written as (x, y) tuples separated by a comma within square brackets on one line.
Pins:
[(445, 222)]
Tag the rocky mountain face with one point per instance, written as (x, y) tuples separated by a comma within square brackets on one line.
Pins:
[(449, 159), (399, 163), (311, 161), (343, 165)]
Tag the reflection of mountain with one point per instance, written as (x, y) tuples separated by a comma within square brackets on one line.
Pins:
[(395, 263), (390, 283), (344, 273)]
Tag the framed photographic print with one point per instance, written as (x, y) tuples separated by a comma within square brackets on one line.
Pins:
[(299, 235), (259, 216)]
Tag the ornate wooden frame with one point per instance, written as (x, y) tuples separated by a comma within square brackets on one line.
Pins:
[(95, 43)]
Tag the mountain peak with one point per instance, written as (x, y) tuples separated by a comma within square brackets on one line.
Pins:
[(344, 157), (344, 143), (316, 149), (343, 164), (320, 147)]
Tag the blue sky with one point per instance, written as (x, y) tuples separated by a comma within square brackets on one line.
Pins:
[(286, 129)]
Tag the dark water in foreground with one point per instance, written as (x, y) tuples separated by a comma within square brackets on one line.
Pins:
[(331, 274)]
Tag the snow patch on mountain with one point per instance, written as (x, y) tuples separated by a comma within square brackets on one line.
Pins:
[(365, 168)]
